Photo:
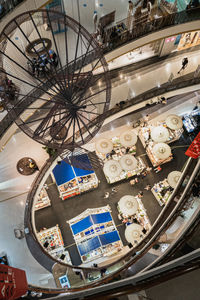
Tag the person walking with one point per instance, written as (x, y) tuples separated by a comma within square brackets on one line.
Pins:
[(147, 188), (184, 64), (158, 169), (130, 16), (95, 21)]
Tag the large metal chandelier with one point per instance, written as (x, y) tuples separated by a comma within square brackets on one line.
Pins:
[(56, 80)]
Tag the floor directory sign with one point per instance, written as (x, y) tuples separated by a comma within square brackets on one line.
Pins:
[(13, 283)]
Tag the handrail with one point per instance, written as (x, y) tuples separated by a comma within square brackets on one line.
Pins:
[(150, 239), (137, 32)]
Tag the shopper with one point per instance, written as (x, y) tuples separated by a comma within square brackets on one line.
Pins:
[(129, 19), (184, 64), (140, 194), (95, 21), (147, 188), (107, 194), (143, 174), (114, 190), (158, 169), (148, 169), (132, 182)]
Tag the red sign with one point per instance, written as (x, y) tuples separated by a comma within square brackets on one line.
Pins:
[(194, 149), (13, 283)]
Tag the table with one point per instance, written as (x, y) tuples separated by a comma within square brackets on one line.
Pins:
[(23, 166)]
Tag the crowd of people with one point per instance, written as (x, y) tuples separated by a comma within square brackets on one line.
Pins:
[(40, 66)]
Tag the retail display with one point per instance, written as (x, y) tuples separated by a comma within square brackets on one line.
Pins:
[(95, 233), (72, 181), (128, 162), (159, 134), (104, 146), (128, 138), (128, 205), (51, 239), (140, 216), (191, 121), (174, 122), (124, 174), (173, 178), (145, 133), (162, 191), (159, 153), (42, 200), (134, 234)]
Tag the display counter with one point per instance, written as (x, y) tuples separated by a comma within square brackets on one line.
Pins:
[(128, 174), (154, 160), (139, 217), (145, 134), (42, 200), (72, 181), (52, 241), (191, 121), (95, 234), (162, 191)]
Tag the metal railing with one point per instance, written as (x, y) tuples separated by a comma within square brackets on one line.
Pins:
[(168, 214), (139, 30)]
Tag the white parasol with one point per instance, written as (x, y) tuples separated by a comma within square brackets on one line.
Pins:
[(128, 138), (161, 151), (112, 168), (159, 134), (133, 233), (128, 205), (173, 178), (128, 162), (104, 146), (174, 122)]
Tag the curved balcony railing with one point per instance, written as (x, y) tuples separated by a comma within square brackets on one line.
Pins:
[(139, 30), (169, 214), (8, 6)]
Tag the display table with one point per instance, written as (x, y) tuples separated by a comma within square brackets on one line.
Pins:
[(162, 191), (72, 181), (23, 166), (140, 216), (42, 200), (145, 134), (51, 239), (95, 233), (128, 174), (154, 160)]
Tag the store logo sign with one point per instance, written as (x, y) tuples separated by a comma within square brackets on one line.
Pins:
[(194, 149)]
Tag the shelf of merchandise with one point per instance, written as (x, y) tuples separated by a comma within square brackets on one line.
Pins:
[(128, 174), (52, 236), (142, 216), (158, 188), (96, 230), (87, 182), (42, 200), (156, 162), (69, 189), (61, 251), (145, 134), (56, 246)]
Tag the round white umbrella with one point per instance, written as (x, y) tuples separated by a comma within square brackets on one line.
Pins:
[(128, 205), (104, 146), (112, 168), (133, 233), (159, 134), (128, 138), (161, 151), (173, 178), (128, 162), (174, 122)]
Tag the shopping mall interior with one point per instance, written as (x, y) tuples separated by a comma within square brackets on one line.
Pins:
[(99, 149)]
